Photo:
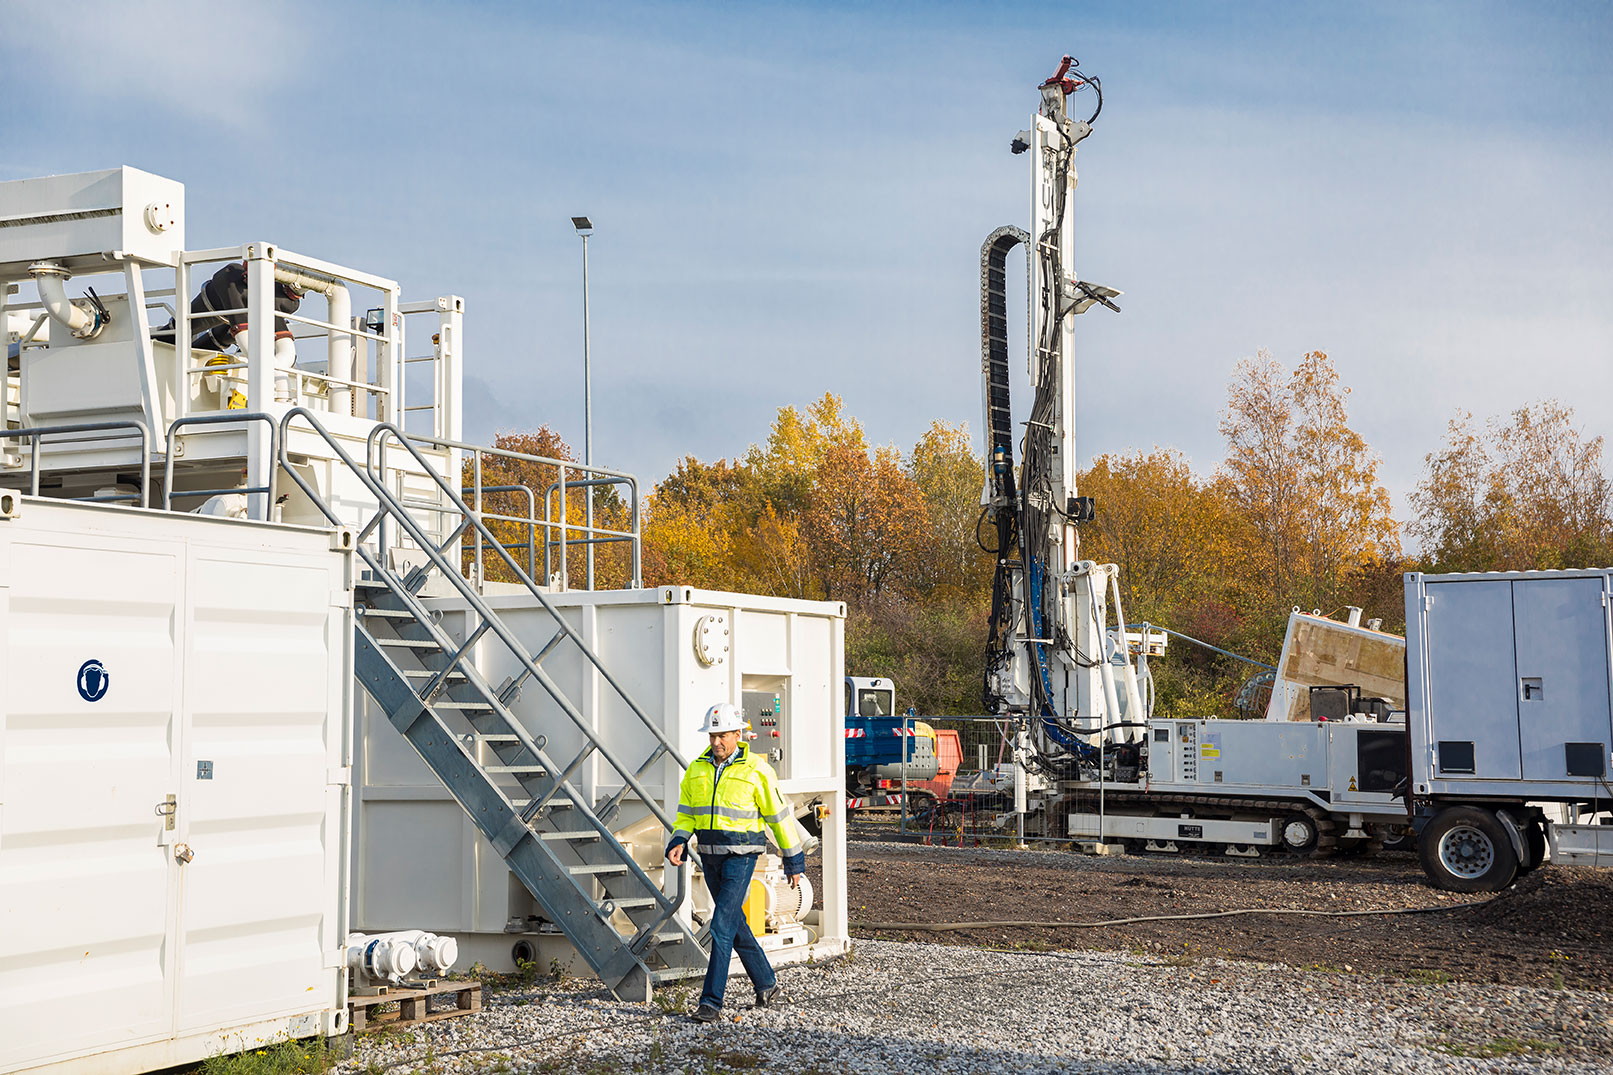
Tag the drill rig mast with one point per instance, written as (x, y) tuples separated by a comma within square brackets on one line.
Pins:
[(1054, 662)]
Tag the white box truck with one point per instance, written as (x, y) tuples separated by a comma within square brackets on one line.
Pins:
[(1510, 709)]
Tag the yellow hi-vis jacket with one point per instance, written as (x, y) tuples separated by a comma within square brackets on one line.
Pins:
[(725, 811)]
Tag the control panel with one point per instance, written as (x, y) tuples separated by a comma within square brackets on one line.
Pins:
[(764, 711)]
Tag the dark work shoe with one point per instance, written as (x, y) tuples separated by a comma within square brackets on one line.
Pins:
[(766, 997), (706, 1014)]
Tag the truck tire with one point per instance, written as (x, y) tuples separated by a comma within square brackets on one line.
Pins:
[(1465, 849)]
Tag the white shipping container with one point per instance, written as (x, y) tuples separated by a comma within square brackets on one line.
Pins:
[(676, 650), (175, 700)]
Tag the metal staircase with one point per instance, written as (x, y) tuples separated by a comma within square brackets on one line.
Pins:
[(524, 801)]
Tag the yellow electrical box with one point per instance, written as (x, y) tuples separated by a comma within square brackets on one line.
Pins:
[(756, 908)]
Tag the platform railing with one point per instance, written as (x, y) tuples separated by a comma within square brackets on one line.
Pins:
[(556, 528), (234, 418), (35, 435)]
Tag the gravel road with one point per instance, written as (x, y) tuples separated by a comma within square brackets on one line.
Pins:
[(912, 1007)]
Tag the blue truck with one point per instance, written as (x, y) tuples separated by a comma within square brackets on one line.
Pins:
[(880, 744)]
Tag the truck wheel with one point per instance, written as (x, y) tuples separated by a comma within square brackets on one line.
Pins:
[(1299, 832), (1465, 849)]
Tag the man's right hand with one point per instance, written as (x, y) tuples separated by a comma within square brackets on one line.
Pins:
[(675, 856)]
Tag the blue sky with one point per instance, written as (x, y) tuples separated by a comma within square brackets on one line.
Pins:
[(790, 199)]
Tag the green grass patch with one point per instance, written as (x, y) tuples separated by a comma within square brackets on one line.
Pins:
[(1498, 1047), (306, 1057), (1428, 976)]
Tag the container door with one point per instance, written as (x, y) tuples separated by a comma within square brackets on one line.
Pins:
[(258, 908), (1472, 680), (85, 876), (1562, 689)]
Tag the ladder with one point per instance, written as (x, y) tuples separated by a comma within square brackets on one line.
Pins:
[(526, 802)]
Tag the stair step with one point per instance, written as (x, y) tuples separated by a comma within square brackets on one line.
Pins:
[(534, 769), (554, 804), (449, 703), (568, 835), (386, 613), (635, 903), (609, 868), (427, 673), (408, 643), (496, 737)]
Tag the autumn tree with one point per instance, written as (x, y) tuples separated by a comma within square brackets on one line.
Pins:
[(1527, 493), (1307, 482), (949, 477), (519, 495), (1175, 537), (864, 522)]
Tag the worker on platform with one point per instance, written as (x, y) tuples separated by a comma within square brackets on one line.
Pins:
[(227, 291), (728, 802)]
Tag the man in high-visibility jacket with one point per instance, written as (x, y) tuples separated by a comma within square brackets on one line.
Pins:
[(728, 802)]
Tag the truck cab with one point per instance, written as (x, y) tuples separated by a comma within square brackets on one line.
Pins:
[(880, 745)]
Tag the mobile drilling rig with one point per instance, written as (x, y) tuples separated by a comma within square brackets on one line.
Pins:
[(1091, 761)]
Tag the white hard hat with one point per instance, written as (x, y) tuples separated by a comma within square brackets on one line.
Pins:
[(723, 717)]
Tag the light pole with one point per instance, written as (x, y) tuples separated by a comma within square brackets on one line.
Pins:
[(585, 228)]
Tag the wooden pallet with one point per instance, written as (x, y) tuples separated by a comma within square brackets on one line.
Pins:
[(414, 1004)]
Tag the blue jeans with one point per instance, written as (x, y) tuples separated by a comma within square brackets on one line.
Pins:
[(728, 879)]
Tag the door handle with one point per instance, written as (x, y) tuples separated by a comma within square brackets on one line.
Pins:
[(166, 810)]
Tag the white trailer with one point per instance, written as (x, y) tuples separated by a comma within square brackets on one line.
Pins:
[(1509, 708)]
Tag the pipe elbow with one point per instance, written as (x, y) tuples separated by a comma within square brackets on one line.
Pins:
[(51, 279)]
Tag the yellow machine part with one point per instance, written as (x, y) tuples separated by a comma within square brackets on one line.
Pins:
[(756, 908), (920, 728)]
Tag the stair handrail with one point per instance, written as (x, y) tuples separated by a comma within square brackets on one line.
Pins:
[(382, 429), (389, 505), (670, 904)]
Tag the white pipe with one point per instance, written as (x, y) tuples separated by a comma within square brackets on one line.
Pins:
[(53, 296), (339, 353), (339, 362)]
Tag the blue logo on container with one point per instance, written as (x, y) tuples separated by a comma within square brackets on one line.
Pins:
[(93, 681)]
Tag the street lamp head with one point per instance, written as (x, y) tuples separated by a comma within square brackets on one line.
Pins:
[(583, 225)]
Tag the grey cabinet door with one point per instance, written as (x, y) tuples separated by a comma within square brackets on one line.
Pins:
[(1562, 688), (1473, 684)]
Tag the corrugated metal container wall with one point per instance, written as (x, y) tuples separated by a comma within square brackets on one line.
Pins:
[(173, 748), (450, 880)]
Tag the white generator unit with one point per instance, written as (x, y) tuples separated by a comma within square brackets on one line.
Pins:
[(685, 649), (175, 700)]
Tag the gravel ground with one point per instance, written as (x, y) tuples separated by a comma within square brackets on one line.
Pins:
[(911, 1007), (1554, 928)]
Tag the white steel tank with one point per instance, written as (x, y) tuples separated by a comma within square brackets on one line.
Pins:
[(175, 708), (676, 650)]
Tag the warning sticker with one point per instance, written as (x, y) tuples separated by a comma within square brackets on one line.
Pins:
[(1210, 745)]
